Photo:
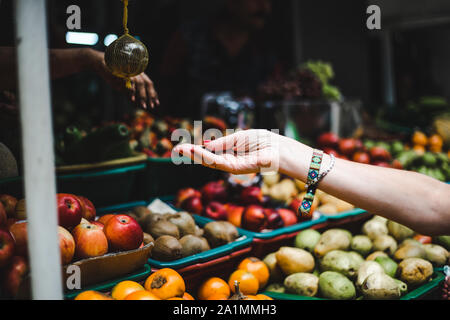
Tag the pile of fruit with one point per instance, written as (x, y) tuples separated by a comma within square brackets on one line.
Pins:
[(152, 136), (176, 235), (385, 261), (310, 80), (164, 284), (244, 207), (80, 235), (290, 192), (244, 283)]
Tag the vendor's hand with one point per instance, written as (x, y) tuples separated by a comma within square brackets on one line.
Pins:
[(142, 90), (247, 151)]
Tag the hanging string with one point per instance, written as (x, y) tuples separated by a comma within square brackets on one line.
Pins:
[(126, 31)]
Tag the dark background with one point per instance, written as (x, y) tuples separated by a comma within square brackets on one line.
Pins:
[(329, 30)]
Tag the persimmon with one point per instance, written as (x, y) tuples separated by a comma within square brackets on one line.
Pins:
[(218, 296), (165, 284), (248, 283), (141, 295), (258, 268), (187, 296), (92, 295), (419, 138), (124, 288), (213, 286), (263, 297)]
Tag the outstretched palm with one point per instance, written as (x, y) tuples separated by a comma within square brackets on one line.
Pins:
[(242, 152)]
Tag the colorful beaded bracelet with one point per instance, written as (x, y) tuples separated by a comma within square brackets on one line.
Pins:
[(304, 210)]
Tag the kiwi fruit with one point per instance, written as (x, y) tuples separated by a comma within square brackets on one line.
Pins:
[(184, 221), (148, 238), (191, 244), (162, 228), (167, 248), (141, 213), (219, 233)]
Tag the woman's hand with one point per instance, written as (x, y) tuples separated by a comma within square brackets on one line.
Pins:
[(142, 90), (242, 152)]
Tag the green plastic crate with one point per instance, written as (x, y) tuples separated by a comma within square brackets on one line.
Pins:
[(102, 187), (419, 293), (104, 287)]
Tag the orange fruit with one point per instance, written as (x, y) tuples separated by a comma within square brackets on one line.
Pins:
[(258, 268), (436, 140), (251, 297), (419, 138), (263, 297), (213, 286), (124, 288), (419, 149), (248, 283), (141, 295), (175, 298), (187, 296), (165, 284), (218, 296), (92, 295)]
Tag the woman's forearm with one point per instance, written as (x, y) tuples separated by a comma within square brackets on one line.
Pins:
[(413, 199)]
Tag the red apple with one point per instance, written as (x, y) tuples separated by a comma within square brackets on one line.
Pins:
[(9, 202), (295, 203), (89, 211), (289, 217), (3, 216), (214, 191), (234, 214), (216, 210), (361, 157), (14, 275), (396, 164), (90, 241), (328, 140), (185, 194), (254, 218), (379, 154), (193, 205), (347, 146), (105, 218), (19, 232), (123, 233), (381, 164), (98, 224), (331, 152), (69, 210), (6, 247), (251, 195), (66, 245), (274, 219)]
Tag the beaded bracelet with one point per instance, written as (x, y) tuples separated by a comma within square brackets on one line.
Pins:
[(313, 178)]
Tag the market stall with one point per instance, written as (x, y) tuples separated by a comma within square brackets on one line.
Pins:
[(134, 219)]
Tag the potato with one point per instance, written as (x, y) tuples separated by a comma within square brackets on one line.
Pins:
[(294, 260)]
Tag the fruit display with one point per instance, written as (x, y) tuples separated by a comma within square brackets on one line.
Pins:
[(80, 236), (177, 235), (152, 135), (310, 80), (385, 261)]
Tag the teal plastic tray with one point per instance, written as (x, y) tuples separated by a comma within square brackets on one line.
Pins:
[(277, 232), (418, 293), (243, 240), (137, 276), (102, 187), (344, 214)]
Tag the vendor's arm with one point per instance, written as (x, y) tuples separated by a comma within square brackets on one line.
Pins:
[(410, 198), (65, 62)]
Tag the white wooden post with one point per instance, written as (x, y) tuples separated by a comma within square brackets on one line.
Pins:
[(37, 144)]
